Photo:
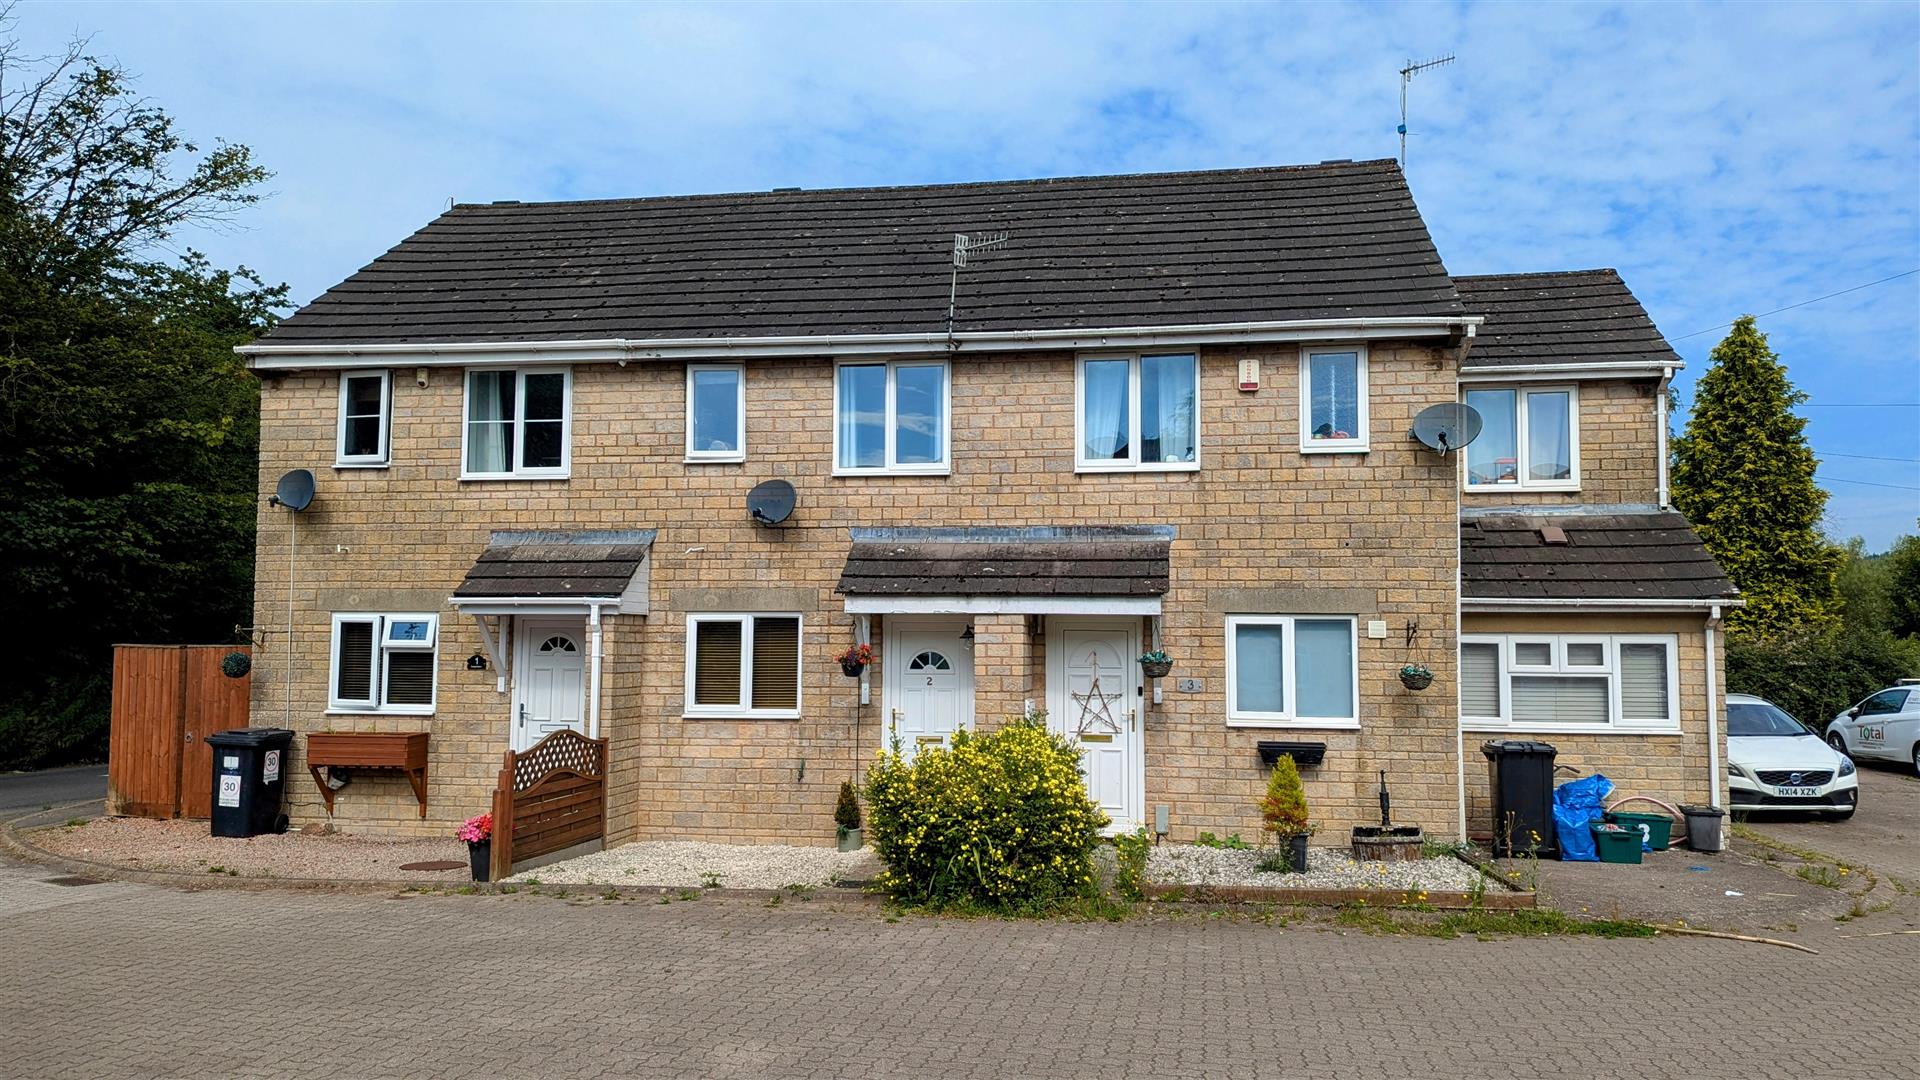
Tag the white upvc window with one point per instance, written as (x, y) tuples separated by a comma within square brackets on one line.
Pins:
[(1292, 671), (743, 666), (517, 424), (892, 416), (366, 411), (383, 663), (1137, 412), (716, 412), (1529, 439), (1333, 400), (1570, 682)]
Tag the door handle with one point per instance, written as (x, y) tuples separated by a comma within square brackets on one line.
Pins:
[(523, 714)]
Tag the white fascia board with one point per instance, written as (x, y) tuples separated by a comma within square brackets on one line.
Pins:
[(1563, 372), (1003, 605), (529, 605), (619, 350), (1544, 605)]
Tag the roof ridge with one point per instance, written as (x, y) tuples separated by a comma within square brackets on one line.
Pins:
[(1536, 274)]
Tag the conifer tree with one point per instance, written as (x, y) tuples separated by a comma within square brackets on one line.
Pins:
[(1743, 474)]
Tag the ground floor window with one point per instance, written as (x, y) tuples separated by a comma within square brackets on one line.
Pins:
[(743, 666), (1291, 670), (383, 663), (1582, 682)]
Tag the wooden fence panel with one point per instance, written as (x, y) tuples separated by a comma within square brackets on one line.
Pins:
[(166, 700), (549, 798), (214, 703)]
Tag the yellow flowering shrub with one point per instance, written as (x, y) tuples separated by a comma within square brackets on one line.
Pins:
[(1000, 819)]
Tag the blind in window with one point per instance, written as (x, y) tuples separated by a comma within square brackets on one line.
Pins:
[(776, 663), (353, 666), (1559, 699), (1643, 682), (1480, 679), (716, 663), (410, 677)]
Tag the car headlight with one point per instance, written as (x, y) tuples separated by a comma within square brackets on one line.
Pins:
[(1740, 770), (1846, 765)]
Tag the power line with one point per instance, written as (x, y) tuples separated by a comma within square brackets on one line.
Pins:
[(1866, 483), (1804, 303), (1858, 405), (1865, 457)]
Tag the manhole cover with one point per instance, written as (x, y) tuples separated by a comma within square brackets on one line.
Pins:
[(70, 881), (437, 864)]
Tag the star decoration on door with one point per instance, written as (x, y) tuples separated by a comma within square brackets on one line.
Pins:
[(1096, 708)]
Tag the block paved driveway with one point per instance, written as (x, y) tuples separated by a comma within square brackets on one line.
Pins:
[(128, 980)]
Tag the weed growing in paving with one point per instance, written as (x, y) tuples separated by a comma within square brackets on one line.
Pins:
[(1530, 922), (709, 880), (1130, 878)]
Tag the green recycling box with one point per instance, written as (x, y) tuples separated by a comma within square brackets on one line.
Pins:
[(1616, 843), (1656, 830)]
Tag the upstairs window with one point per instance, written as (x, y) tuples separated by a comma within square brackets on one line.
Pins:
[(1569, 682), (890, 418), (1333, 400), (1529, 439), (365, 406), (743, 666), (383, 663), (1137, 412), (519, 424), (716, 412)]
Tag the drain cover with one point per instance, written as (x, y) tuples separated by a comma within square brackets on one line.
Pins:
[(70, 881), (437, 864)]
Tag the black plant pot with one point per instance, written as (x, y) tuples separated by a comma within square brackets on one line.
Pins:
[(852, 668), (1415, 681), (1156, 669), (481, 855), (1296, 854)]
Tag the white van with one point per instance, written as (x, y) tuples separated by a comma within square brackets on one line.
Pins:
[(1885, 727)]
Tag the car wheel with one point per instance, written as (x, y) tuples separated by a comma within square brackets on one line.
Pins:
[(1839, 744), (1916, 759)]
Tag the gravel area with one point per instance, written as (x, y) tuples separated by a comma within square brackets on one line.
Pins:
[(686, 864), (144, 844), (1327, 868)]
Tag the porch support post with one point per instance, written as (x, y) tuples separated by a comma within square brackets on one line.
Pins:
[(1713, 712), (593, 703)]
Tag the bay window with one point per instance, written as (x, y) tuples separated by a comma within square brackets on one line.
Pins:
[(518, 424), (891, 417), (1138, 411), (1333, 400), (1292, 671), (1577, 682), (1529, 439), (743, 666)]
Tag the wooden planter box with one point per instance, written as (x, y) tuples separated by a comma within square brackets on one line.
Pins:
[(404, 752)]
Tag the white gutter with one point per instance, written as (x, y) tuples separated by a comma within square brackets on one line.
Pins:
[(268, 357), (1537, 603), (593, 706), (1713, 713), (1660, 435), (1544, 372)]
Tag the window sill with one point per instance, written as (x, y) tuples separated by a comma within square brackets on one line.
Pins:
[(1152, 467), (409, 710), (744, 714), (361, 464), (465, 477), (715, 459), (1345, 447), (1519, 489), (942, 470), (1496, 727), (1310, 724)]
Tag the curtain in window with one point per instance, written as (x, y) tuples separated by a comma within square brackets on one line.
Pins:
[(489, 421), (1643, 682), (1494, 457), (543, 441), (1549, 436), (716, 411), (1559, 699), (1480, 680), (1323, 668), (1105, 405), (1167, 403), (363, 415), (1334, 395), (919, 411), (353, 662), (776, 663), (716, 663), (863, 416), (1258, 668)]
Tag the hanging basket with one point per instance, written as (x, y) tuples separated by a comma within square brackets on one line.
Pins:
[(1156, 669), (852, 668), (235, 665), (1416, 678)]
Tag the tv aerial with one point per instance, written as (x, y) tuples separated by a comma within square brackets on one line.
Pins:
[(1446, 427), (1406, 76), (770, 502), (965, 245)]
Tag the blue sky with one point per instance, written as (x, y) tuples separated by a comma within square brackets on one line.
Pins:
[(1725, 159)]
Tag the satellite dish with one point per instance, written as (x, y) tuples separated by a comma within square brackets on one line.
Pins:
[(294, 491), (1446, 428), (770, 502)]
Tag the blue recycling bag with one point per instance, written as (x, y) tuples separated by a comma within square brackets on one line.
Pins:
[(1576, 804)]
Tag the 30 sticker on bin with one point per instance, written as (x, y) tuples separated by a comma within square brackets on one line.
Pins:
[(270, 770), (229, 790)]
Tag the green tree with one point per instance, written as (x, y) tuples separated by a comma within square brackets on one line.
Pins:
[(1743, 474), (128, 429), (1903, 586), (1865, 587)]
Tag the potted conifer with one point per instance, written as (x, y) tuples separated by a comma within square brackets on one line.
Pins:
[(1284, 811), (846, 819)]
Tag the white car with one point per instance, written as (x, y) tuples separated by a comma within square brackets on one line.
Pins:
[(1775, 762), (1886, 726)]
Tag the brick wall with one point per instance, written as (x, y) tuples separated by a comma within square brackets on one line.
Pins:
[(1619, 450)]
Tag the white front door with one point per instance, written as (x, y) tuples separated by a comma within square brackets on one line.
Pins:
[(549, 680), (927, 681), (1093, 698)]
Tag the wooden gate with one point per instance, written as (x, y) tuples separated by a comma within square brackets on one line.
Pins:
[(550, 797), (166, 700)]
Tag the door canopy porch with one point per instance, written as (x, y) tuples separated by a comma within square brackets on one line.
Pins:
[(1088, 570)]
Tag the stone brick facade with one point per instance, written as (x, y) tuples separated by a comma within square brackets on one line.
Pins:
[(1619, 449)]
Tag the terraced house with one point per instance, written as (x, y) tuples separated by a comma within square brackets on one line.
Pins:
[(1168, 411)]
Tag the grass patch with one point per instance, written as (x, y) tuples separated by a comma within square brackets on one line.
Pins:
[(1819, 874), (1526, 922), (1085, 908)]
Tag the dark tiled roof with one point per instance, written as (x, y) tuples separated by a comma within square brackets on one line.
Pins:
[(1317, 241), (1576, 317), (1607, 556), (1072, 562), (556, 564)]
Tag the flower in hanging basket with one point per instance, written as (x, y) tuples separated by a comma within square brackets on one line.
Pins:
[(855, 658), (1416, 677), (1155, 664), (476, 830), (235, 664)]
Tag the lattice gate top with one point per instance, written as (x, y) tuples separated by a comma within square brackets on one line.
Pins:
[(565, 750)]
